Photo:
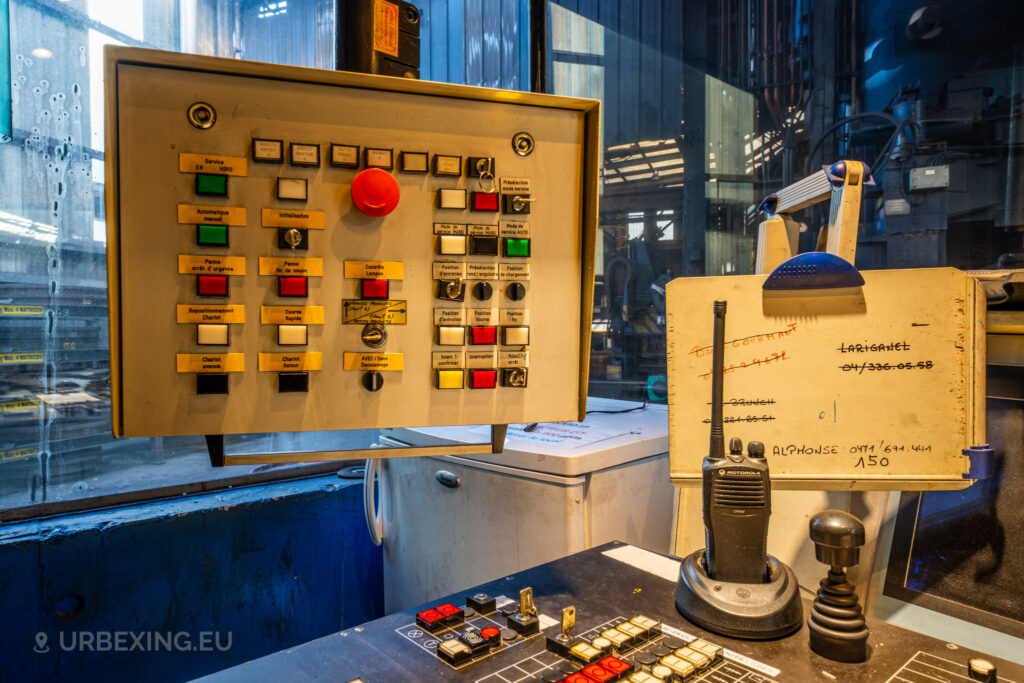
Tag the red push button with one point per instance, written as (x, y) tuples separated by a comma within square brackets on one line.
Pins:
[(374, 289), (577, 678), (212, 285), (596, 672), (292, 286), (430, 620), (375, 192), (615, 665), (482, 379), (485, 201), (483, 335)]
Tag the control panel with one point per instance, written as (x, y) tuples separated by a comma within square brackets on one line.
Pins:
[(292, 249), (603, 615)]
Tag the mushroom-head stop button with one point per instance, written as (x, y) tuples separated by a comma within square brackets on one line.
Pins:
[(375, 192)]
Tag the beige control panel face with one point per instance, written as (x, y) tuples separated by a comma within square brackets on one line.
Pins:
[(300, 250)]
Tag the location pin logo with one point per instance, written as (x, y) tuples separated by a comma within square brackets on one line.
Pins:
[(41, 646)]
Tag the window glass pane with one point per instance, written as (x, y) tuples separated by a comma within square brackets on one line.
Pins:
[(55, 441)]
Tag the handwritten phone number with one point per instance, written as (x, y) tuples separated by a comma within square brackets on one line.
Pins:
[(859, 368)]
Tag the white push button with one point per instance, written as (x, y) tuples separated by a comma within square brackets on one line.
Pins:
[(451, 336), (414, 162), (291, 188), (516, 336), (378, 158), (452, 245), (451, 199), (212, 334), (291, 335), (268, 151)]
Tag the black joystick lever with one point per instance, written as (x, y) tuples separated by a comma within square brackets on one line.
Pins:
[(837, 626)]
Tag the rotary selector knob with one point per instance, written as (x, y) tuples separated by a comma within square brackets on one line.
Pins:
[(375, 192)]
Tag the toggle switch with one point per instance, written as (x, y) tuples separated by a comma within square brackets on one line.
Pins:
[(484, 201), (375, 192), (212, 285), (451, 245), (293, 238), (483, 335), (513, 377), (451, 290), (515, 203), (211, 335), (480, 167), (373, 289), (292, 285)]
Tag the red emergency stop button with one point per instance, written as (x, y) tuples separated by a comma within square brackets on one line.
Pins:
[(375, 192)]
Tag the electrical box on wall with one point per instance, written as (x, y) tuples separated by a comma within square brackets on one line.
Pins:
[(292, 249)]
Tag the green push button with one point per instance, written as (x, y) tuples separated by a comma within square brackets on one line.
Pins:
[(517, 247), (212, 235), (211, 185)]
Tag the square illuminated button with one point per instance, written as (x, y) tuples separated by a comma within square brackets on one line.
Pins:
[(304, 154), (212, 235), (291, 188), (211, 335), (292, 382), (212, 383), (483, 379), (631, 630), (378, 158), (598, 673), (267, 151), (414, 162), (515, 336), (618, 638), (615, 665), (680, 667), (483, 335), (517, 246), (292, 285), (209, 185), (345, 156), (692, 656), (451, 199), (643, 622), (707, 649), (485, 201), (449, 379), (451, 245), (447, 164), (451, 336), (212, 285), (483, 246), (373, 289), (642, 677), (291, 335), (585, 652)]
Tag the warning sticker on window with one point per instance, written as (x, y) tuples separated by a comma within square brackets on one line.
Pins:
[(385, 27)]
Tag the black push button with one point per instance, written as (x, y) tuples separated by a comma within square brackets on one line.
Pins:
[(212, 383), (483, 246), (292, 382)]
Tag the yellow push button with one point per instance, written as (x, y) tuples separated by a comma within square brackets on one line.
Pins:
[(449, 379)]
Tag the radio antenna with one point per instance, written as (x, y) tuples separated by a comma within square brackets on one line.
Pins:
[(717, 450)]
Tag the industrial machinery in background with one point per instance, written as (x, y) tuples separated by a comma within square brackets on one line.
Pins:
[(928, 95)]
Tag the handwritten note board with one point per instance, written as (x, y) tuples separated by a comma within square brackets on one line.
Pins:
[(877, 387)]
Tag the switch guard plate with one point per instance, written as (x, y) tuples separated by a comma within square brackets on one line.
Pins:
[(148, 93)]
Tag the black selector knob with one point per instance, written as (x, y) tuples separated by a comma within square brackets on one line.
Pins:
[(515, 291), (372, 380), (755, 449), (837, 626), (483, 290)]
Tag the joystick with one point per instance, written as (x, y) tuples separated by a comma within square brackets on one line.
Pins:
[(837, 627)]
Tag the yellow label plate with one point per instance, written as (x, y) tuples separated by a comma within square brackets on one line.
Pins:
[(16, 358), (195, 264), (292, 218), (16, 453), (211, 362), (202, 313), (363, 311), (19, 406), (271, 265), (210, 163), (373, 361), (21, 310), (211, 215), (281, 315), (288, 362), (375, 270)]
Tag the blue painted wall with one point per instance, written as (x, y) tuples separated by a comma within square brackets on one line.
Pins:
[(274, 566)]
